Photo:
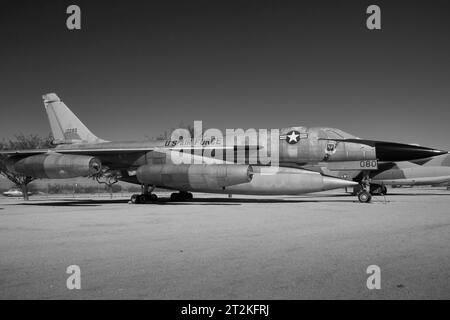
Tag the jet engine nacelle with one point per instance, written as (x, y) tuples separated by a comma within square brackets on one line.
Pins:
[(56, 166), (192, 176)]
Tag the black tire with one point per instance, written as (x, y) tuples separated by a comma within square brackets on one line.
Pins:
[(135, 199), (142, 198), (153, 197), (364, 197), (384, 190), (181, 196)]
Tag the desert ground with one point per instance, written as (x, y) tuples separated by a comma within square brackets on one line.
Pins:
[(307, 247)]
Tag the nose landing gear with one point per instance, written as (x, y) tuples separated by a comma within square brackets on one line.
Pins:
[(364, 196)]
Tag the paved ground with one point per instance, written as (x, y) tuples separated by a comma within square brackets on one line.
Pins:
[(218, 248)]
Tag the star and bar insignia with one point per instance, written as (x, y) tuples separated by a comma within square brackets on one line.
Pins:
[(293, 136)]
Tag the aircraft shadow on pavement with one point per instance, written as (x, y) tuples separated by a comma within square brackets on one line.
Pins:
[(217, 201), (335, 198), (238, 201), (167, 201), (73, 203), (418, 194)]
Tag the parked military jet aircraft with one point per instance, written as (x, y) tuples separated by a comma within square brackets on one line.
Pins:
[(429, 171), (408, 173), (79, 152), (438, 161), (441, 161)]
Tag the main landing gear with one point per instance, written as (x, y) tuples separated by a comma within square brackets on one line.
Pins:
[(181, 196), (145, 197), (148, 197)]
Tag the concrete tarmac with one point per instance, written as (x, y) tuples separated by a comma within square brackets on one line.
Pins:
[(309, 247)]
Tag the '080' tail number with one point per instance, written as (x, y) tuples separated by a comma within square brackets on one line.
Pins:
[(369, 164)]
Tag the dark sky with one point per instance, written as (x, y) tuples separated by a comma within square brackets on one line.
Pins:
[(139, 67)]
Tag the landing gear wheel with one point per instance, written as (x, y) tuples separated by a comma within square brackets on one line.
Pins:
[(181, 196), (143, 198), (364, 197), (135, 199), (177, 196), (384, 190)]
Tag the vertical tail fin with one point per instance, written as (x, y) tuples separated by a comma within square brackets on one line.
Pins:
[(66, 127)]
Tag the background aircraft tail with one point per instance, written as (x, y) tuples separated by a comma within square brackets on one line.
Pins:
[(66, 127)]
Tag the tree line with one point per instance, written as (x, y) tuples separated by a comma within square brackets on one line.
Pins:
[(22, 142)]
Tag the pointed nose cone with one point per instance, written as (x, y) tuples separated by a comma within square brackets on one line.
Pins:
[(390, 151), (335, 183)]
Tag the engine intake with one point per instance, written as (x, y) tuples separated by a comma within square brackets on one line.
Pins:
[(193, 176), (56, 166)]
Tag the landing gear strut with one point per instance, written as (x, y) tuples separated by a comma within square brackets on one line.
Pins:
[(364, 195), (365, 190), (146, 195), (181, 196)]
